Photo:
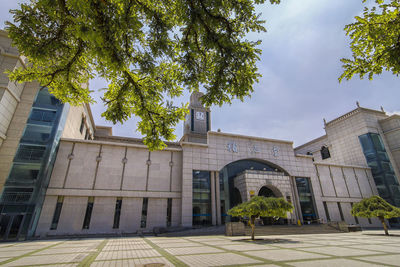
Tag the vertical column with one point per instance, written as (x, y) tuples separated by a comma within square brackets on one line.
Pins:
[(213, 213), (218, 198), (187, 195), (296, 201)]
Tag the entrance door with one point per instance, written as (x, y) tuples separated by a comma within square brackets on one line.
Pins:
[(11, 226), (267, 192)]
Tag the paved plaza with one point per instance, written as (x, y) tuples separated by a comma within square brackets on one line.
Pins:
[(340, 249)]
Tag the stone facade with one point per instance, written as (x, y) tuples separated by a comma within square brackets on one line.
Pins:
[(105, 184)]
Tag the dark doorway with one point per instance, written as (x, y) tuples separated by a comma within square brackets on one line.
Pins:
[(11, 226), (267, 192), (237, 198)]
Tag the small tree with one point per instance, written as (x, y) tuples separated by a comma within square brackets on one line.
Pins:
[(261, 206), (375, 206)]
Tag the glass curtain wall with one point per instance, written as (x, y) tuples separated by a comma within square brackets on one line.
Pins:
[(381, 168), (26, 185), (306, 200), (201, 198)]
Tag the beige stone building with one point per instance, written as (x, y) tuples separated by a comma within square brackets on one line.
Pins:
[(62, 175)]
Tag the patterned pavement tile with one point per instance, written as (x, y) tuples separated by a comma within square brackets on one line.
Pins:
[(246, 247), (126, 247), (17, 253), (74, 245), (51, 251), (296, 245), (178, 245), (48, 259), (332, 263), (382, 248), (209, 239), (284, 255), (164, 240), (216, 259), (386, 259), (127, 254), (333, 243), (131, 262), (339, 251), (192, 250)]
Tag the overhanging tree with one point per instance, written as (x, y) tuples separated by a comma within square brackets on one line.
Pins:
[(148, 51), (375, 41), (259, 206), (375, 207)]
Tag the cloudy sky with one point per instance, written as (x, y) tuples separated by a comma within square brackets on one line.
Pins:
[(300, 65)]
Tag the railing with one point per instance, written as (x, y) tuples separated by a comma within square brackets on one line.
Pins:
[(30, 154), (16, 197)]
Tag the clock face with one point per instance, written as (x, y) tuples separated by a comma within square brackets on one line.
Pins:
[(199, 115)]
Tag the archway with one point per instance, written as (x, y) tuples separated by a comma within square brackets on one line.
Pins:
[(228, 190), (270, 191), (266, 192)]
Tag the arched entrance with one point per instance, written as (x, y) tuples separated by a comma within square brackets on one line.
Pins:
[(233, 179), (266, 192), (270, 191)]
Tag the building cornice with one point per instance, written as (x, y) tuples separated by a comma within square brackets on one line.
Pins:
[(353, 112), (312, 141), (251, 137), (193, 144), (97, 142), (394, 116), (304, 156), (342, 165), (111, 193)]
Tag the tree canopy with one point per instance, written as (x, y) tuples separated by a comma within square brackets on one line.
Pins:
[(375, 207), (148, 51), (375, 41), (259, 206)]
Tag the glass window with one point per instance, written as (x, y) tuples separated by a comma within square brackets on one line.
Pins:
[(36, 134), (381, 168), (208, 120), (377, 142), (366, 144), (201, 198), (42, 116), (57, 213), (169, 212), (117, 213), (87, 134), (192, 120), (143, 220), (30, 153), (340, 211), (20, 172), (16, 195), (306, 200), (88, 214), (325, 152), (82, 125), (45, 99), (328, 218)]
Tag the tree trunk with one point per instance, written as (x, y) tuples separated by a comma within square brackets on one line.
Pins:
[(253, 227), (384, 225)]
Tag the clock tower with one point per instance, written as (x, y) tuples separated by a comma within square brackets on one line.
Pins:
[(198, 121)]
